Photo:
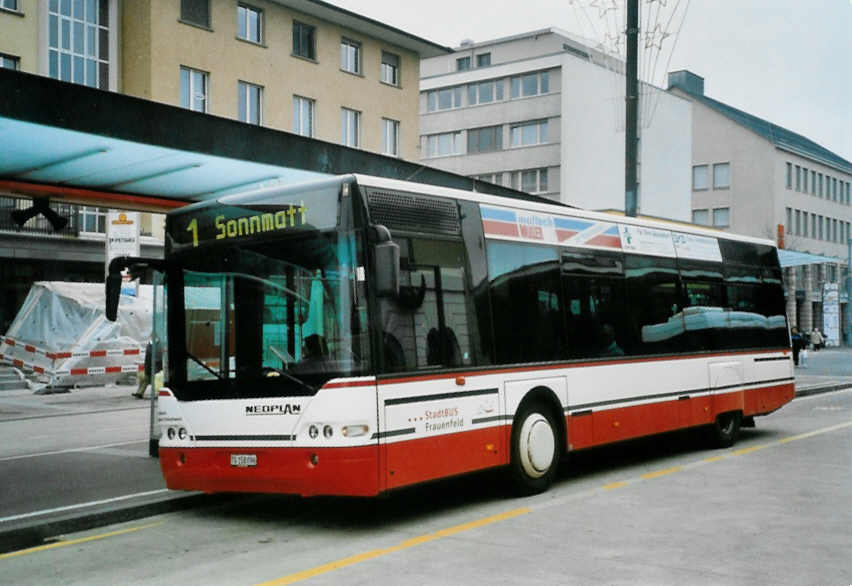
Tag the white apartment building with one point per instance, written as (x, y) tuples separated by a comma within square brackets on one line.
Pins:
[(753, 177), (544, 113)]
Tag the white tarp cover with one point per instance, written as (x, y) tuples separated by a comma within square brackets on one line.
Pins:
[(69, 317)]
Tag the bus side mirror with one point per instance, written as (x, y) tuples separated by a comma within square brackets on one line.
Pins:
[(386, 256), (387, 269), (113, 295)]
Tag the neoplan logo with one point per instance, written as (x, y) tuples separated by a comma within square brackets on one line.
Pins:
[(276, 409)]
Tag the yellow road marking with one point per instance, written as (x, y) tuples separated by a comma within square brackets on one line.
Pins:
[(658, 473), (414, 541), (749, 450), (77, 541), (712, 459), (614, 485)]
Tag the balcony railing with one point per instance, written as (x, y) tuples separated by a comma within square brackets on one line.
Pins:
[(90, 222)]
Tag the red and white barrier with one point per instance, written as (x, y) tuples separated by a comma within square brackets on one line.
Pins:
[(53, 371)]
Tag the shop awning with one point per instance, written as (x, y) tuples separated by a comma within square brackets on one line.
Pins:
[(793, 258)]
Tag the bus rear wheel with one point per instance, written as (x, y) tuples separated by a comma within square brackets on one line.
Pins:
[(535, 449), (725, 430)]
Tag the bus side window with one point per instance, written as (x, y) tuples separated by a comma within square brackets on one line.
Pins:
[(655, 303), (705, 317)]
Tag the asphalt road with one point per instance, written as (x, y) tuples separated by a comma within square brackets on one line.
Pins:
[(774, 509)]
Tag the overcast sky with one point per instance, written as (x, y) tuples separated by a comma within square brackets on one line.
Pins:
[(787, 61)]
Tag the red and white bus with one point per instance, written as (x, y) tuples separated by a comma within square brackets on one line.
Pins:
[(355, 335)]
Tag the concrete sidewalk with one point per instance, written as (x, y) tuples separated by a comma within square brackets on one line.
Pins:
[(85, 461)]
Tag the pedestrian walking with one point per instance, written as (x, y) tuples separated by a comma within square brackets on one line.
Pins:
[(817, 340), (796, 339), (152, 367)]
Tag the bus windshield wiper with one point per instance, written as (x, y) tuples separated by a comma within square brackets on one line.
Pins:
[(293, 378), (210, 370)]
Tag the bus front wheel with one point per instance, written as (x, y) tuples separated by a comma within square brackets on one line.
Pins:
[(725, 430), (535, 449)]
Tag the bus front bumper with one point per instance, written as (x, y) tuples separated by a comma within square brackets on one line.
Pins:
[(350, 471)]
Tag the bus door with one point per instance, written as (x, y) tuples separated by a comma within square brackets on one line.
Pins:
[(725, 377), (437, 420)]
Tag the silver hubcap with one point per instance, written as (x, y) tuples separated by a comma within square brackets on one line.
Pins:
[(537, 443)]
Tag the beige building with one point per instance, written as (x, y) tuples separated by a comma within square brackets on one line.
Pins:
[(297, 65)]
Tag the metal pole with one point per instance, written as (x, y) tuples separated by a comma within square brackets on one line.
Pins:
[(631, 140)]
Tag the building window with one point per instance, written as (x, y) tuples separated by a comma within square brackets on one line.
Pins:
[(495, 178), (444, 99), (819, 190), (530, 180), (834, 230), (93, 220), (702, 217), (821, 228), (798, 231), (699, 177), (443, 145), (249, 23), (303, 115), (722, 217), (805, 224), (9, 4), (9, 62), (813, 225), (193, 89), (834, 188), (390, 137), (532, 84), (350, 56), (813, 182), (805, 179), (78, 42), (484, 92), (462, 63), (250, 102), (304, 40), (485, 140), (721, 176), (350, 125), (789, 175), (195, 12), (529, 133), (798, 178), (390, 68), (483, 60)]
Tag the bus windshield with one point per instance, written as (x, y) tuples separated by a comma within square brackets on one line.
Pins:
[(271, 318)]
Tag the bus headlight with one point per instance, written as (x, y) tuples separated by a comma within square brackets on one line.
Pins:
[(313, 431), (171, 433), (355, 430), (182, 433), (327, 431)]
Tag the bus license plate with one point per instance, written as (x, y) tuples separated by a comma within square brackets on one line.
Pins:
[(243, 460)]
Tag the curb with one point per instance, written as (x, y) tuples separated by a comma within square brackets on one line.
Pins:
[(26, 534), (820, 389)]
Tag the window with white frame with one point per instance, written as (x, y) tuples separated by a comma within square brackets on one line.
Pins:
[(249, 23), (529, 133), (483, 60), (485, 92), (722, 217), (798, 230), (350, 56), (304, 112), (444, 99), (444, 144), (93, 220), (721, 176), (805, 224), (798, 178), (805, 179), (813, 182), (9, 62), (834, 188), (495, 178), (789, 175), (819, 189), (350, 127), (304, 40), (699, 177), (195, 12), (790, 220), (530, 180), (462, 63), (193, 89), (390, 68), (250, 102), (531, 84), (390, 137), (9, 4), (78, 36), (702, 217)]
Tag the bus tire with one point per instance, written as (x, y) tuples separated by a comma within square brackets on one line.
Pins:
[(535, 449), (725, 430)]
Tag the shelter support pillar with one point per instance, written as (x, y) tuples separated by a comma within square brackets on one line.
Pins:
[(807, 313), (790, 294)]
